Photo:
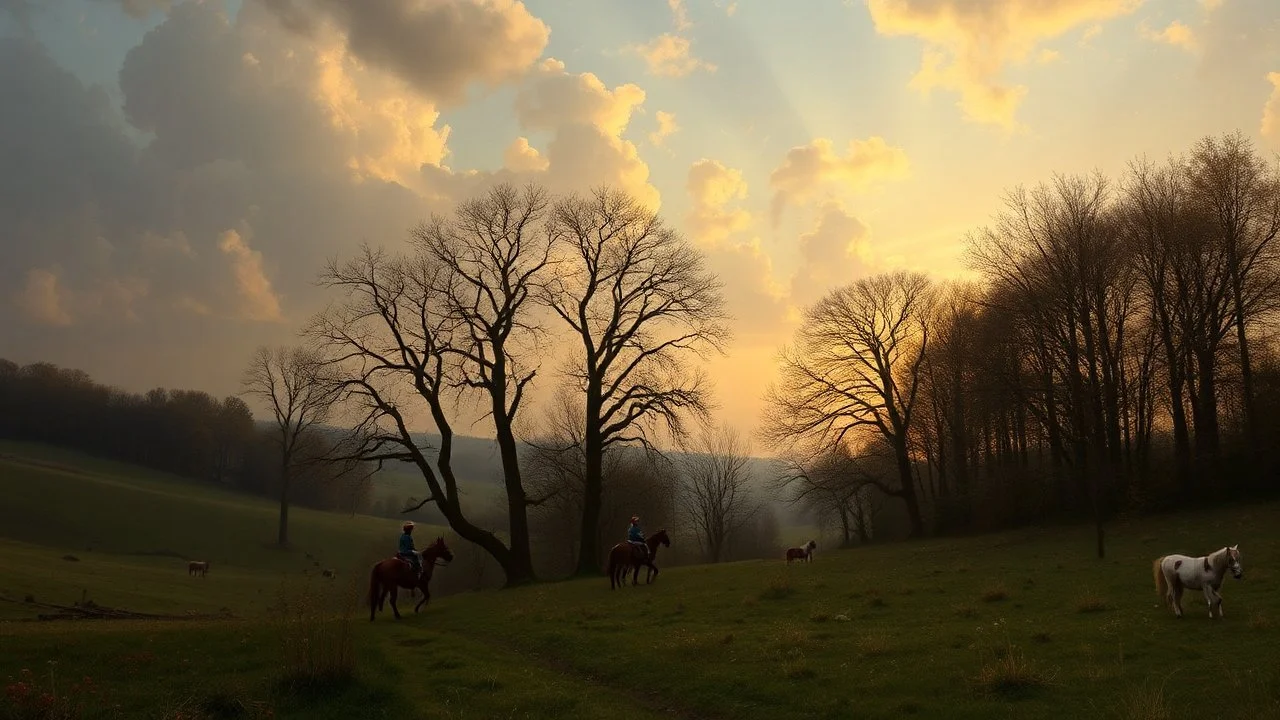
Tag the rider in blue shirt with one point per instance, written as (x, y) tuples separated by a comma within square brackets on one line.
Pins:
[(407, 550), (635, 535)]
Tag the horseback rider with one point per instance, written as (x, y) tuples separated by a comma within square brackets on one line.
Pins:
[(635, 536), (407, 551)]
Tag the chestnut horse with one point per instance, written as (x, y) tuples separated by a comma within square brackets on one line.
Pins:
[(624, 556), (394, 573), (196, 566), (804, 552)]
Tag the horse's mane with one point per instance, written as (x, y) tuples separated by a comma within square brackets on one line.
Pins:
[(1218, 560)]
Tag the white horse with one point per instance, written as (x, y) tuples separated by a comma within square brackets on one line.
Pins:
[(1174, 573)]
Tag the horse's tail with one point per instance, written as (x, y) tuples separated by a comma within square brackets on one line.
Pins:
[(1162, 583), (373, 587)]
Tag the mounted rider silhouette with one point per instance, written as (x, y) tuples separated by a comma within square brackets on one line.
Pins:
[(635, 536), (407, 551)]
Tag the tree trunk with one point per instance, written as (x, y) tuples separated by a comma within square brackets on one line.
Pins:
[(593, 486), (283, 535), (905, 477)]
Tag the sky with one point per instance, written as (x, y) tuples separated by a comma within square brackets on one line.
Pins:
[(174, 174)]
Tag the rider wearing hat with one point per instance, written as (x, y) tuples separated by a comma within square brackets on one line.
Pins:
[(407, 550), (635, 535)]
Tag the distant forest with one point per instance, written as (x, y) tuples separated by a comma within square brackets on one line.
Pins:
[(195, 435)]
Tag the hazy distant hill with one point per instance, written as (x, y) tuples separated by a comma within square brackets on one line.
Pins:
[(479, 470)]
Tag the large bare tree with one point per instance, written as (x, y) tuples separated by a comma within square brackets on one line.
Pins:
[(641, 304), (856, 369), (1239, 195), (294, 383), (716, 495), (452, 317)]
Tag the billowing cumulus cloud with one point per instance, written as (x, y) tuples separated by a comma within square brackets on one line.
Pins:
[(970, 43), (807, 169), (666, 127), (42, 299), (1271, 112), (836, 252), (715, 191), (257, 300), (671, 55), (437, 46), (190, 221), (521, 157), (717, 222), (1175, 33), (586, 120)]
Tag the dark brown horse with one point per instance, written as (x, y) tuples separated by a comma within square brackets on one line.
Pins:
[(394, 573), (625, 556)]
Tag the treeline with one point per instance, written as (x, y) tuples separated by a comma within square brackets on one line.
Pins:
[(1118, 355), (188, 433)]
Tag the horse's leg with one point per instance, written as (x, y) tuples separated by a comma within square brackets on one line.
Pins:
[(395, 591), (1208, 597), (426, 598), (1176, 591), (635, 576)]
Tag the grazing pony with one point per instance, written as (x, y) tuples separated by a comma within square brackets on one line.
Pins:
[(394, 573), (196, 566), (1174, 573), (804, 552), (625, 556)]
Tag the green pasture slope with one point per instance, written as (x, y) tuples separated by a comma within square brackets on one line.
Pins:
[(1019, 625), (74, 527)]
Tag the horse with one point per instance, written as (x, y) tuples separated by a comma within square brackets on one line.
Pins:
[(804, 552), (196, 566), (1174, 573), (624, 556), (395, 572)]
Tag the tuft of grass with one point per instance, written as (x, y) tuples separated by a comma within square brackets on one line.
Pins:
[(995, 594), (316, 637), (1009, 672), (1145, 702), (780, 588), (1091, 602), (819, 617), (874, 644), (1259, 621), (965, 611)]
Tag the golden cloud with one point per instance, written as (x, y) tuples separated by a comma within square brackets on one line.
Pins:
[(671, 56), (969, 43), (808, 168)]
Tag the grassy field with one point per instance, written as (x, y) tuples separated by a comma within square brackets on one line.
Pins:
[(1019, 625), (74, 527)]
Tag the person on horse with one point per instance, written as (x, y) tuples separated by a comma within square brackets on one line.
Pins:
[(635, 536), (407, 551)]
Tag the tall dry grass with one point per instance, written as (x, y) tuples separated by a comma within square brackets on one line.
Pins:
[(315, 621)]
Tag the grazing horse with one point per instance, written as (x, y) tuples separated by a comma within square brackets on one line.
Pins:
[(394, 573), (625, 556), (196, 566), (804, 552), (1174, 573)]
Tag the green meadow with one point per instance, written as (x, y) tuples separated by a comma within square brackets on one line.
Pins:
[(1025, 624)]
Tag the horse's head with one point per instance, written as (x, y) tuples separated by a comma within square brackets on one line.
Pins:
[(813, 545), (661, 536), (439, 550), (1233, 562)]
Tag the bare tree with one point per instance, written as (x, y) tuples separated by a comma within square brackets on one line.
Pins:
[(638, 298), (716, 495), (294, 383), (1240, 196), (856, 369), (451, 317)]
